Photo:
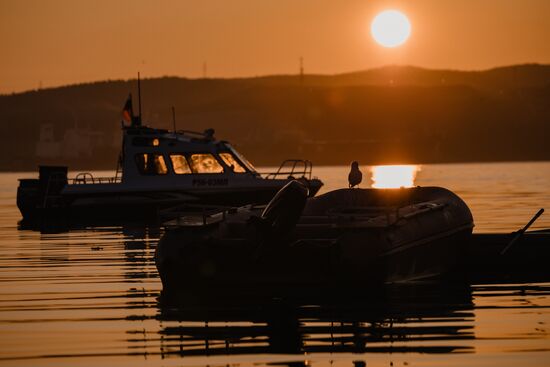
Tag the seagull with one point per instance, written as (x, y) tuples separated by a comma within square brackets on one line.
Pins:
[(355, 176)]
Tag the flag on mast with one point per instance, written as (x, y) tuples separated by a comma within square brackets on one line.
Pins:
[(128, 111)]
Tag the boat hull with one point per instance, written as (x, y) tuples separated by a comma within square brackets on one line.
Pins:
[(123, 206), (526, 261), (240, 265), (418, 246)]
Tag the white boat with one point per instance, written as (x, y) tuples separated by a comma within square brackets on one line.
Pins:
[(157, 169)]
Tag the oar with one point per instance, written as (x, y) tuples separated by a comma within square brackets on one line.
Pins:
[(522, 231)]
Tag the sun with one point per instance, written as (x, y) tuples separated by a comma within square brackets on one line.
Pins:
[(390, 28)]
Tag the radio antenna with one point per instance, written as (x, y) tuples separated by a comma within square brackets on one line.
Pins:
[(139, 98), (174, 118)]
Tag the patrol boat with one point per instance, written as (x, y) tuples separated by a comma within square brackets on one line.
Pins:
[(157, 169)]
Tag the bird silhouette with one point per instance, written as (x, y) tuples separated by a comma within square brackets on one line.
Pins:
[(355, 176)]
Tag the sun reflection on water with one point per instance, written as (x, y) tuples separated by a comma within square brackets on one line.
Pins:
[(394, 176)]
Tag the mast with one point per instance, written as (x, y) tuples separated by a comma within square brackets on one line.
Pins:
[(139, 100), (174, 118)]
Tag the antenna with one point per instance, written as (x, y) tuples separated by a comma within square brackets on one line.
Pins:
[(174, 118), (139, 99)]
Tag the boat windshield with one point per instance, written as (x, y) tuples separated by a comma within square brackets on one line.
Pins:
[(230, 161), (241, 158), (180, 164), (205, 163), (151, 164)]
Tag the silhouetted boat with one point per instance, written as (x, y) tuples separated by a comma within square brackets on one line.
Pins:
[(344, 237), (158, 169), (527, 261)]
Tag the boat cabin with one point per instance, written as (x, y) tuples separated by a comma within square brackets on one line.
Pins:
[(152, 153)]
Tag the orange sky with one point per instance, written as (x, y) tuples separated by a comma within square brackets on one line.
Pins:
[(56, 42)]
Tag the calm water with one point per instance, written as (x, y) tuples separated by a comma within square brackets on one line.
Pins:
[(91, 297)]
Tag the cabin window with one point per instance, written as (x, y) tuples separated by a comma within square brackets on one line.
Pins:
[(151, 164), (241, 158), (230, 161), (180, 165), (141, 141), (205, 163)]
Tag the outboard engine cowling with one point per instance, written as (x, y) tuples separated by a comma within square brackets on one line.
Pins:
[(52, 179), (284, 210)]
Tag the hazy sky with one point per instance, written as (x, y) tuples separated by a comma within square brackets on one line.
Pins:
[(56, 42)]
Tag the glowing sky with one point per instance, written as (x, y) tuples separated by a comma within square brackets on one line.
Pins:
[(58, 42)]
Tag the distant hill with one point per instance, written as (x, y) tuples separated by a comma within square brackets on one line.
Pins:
[(386, 115)]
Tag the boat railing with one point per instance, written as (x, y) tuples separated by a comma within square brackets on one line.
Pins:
[(292, 168), (201, 212), (370, 216), (86, 178), (354, 216), (349, 217)]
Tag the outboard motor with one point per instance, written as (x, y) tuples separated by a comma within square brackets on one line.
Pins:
[(52, 179), (283, 211), (35, 195)]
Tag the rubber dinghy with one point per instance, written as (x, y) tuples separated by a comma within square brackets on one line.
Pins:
[(343, 237)]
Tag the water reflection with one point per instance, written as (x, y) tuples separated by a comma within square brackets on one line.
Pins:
[(76, 292), (394, 176), (103, 283), (397, 319)]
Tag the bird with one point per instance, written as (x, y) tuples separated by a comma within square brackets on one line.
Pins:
[(355, 176)]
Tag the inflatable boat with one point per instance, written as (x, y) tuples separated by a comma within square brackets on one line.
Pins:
[(343, 237)]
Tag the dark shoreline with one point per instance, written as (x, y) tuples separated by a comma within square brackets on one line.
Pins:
[(380, 116)]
